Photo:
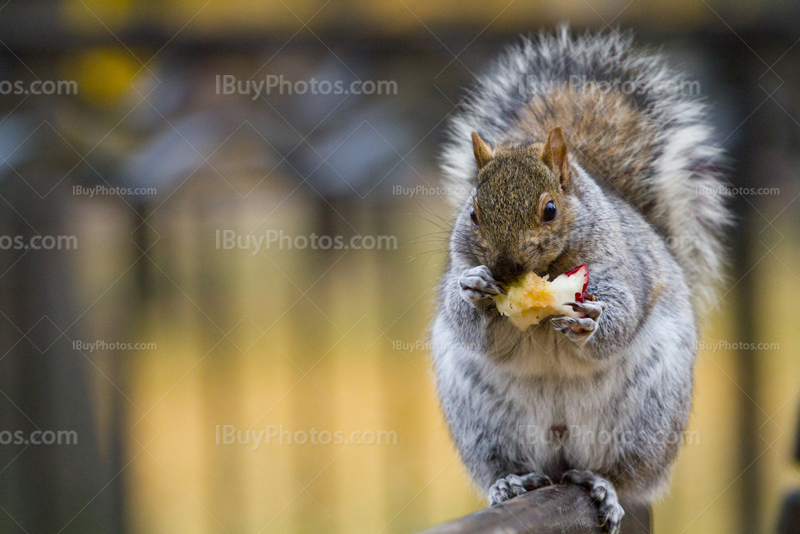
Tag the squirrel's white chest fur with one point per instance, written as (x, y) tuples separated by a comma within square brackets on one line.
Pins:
[(563, 420), (548, 402)]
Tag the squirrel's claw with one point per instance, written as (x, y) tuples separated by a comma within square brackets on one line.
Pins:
[(591, 309), (601, 491), (580, 329), (513, 485), (506, 488), (576, 325)]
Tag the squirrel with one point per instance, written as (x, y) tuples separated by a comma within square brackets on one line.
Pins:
[(578, 150)]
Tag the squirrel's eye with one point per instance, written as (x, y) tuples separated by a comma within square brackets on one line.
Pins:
[(549, 212), (473, 217)]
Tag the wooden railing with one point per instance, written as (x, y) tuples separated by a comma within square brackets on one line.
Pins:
[(555, 509)]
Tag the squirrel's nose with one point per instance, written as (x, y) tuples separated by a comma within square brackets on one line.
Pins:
[(505, 269)]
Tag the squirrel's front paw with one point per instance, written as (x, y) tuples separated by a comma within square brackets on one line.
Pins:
[(478, 286), (511, 486), (581, 329)]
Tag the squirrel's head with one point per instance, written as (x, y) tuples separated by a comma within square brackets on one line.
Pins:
[(521, 213)]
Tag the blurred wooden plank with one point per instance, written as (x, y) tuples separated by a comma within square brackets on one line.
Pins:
[(552, 510), (46, 383), (790, 514)]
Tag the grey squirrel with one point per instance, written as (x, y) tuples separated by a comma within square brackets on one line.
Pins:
[(576, 150)]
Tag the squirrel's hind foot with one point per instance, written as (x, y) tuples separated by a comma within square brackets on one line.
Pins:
[(602, 492), (512, 486)]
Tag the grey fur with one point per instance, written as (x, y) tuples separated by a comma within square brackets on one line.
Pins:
[(622, 389)]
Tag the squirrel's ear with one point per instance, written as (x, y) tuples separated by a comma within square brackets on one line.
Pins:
[(483, 154), (554, 154)]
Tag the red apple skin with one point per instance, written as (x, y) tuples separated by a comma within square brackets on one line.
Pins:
[(579, 297)]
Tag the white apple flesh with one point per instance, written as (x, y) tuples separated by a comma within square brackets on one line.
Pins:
[(531, 299)]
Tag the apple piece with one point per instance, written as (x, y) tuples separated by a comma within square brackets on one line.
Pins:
[(531, 298)]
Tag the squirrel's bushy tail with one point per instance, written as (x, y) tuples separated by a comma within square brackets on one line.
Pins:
[(635, 125)]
